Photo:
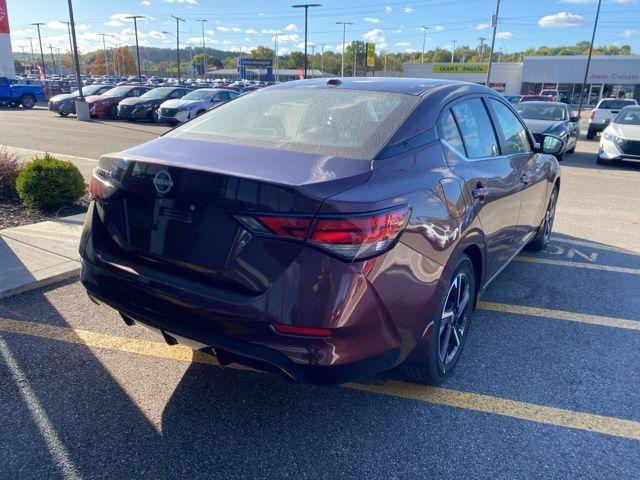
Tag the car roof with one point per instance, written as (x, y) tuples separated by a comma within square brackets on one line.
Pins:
[(409, 86)]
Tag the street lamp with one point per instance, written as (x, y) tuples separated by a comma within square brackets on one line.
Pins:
[(424, 39), (306, 7), (204, 50), (104, 49), (178, 20), (344, 33), (135, 26), (37, 25), (169, 33), (453, 49)]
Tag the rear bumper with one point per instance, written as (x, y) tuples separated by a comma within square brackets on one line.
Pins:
[(179, 117), (598, 126), (185, 324)]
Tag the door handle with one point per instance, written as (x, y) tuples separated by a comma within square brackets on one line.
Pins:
[(480, 192)]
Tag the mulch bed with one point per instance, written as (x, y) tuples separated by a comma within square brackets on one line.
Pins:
[(14, 214)]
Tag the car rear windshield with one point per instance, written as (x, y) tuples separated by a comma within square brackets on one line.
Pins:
[(615, 104), (534, 111), (629, 116), (327, 121)]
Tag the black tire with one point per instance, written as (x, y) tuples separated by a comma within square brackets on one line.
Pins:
[(541, 240), (14, 104), (560, 157), (572, 149), (602, 161), (63, 114), (27, 101), (591, 134), (441, 358), (113, 112), (153, 116)]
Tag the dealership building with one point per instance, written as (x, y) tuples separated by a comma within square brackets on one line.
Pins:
[(608, 75)]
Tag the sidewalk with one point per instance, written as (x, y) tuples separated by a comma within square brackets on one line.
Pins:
[(39, 254)]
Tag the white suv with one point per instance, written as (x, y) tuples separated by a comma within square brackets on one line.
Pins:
[(606, 110)]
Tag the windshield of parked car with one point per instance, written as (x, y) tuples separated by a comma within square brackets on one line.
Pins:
[(88, 90), (615, 104), (549, 111), (346, 123), (117, 91), (629, 116), (157, 93), (202, 94)]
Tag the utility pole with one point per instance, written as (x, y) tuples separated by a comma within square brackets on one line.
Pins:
[(75, 51), (113, 60), (44, 70), (344, 33), (494, 23), (586, 72), (53, 59), (306, 7), (104, 49), (355, 57), (204, 49), (481, 47), (135, 26), (70, 42), (322, 58), (32, 61), (453, 49), (424, 39), (178, 20), (276, 47)]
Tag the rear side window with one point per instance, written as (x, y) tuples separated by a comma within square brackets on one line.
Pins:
[(450, 132), (515, 136), (476, 129)]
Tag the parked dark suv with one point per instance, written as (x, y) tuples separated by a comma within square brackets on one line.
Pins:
[(322, 229)]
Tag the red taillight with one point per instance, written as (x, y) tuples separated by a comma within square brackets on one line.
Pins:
[(305, 331), (99, 186), (351, 237)]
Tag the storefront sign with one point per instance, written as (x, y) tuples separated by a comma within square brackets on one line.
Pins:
[(459, 68)]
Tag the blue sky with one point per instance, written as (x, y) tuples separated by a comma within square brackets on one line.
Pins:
[(393, 25)]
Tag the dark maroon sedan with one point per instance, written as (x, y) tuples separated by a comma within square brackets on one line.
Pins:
[(106, 105), (325, 230)]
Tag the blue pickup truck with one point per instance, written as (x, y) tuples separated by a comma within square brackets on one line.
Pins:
[(15, 94)]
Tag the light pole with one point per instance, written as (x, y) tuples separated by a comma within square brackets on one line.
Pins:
[(77, 63), (135, 27), (322, 58), (453, 49), (424, 39), (169, 33), (178, 20), (44, 70), (53, 59), (494, 22), (32, 55), (276, 48), (481, 47), (306, 7), (344, 34), (586, 72), (70, 42), (204, 50), (104, 49)]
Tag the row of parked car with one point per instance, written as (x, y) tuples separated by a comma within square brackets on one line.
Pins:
[(171, 104)]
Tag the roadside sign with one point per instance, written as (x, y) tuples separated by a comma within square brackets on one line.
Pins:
[(371, 54), (460, 68)]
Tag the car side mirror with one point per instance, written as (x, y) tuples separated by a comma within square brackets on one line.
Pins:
[(552, 145), (574, 119)]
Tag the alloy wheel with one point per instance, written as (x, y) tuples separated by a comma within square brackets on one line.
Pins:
[(549, 216), (453, 323)]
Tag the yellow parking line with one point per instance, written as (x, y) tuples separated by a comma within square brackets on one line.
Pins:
[(595, 246), (560, 315), (588, 266), (440, 396)]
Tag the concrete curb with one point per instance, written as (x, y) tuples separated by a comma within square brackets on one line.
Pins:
[(41, 283)]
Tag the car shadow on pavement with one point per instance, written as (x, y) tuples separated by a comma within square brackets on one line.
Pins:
[(226, 422)]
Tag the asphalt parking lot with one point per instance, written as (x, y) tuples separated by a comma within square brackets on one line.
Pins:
[(548, 386)]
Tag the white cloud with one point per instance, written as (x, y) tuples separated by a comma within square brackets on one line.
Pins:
[(292, 27), (190, 2), (210, 32), (376, 35), (407, 9), (628, 33), (371, 19), (504, 35), (222, 28), (481, 26), (623, 2), (250, 31), (114, 23), (411, 50), (438, 28), (402, 44), (561, 20), (146, 3), (388, 9)]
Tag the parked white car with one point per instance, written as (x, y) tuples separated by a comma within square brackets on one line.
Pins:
[(621, 139), (555, 94), (606, 110), (193, 104)]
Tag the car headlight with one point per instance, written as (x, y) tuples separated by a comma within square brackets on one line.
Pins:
[(613, 138)]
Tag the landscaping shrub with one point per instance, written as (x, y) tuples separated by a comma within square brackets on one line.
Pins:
[(48, 182), (9, 169)]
